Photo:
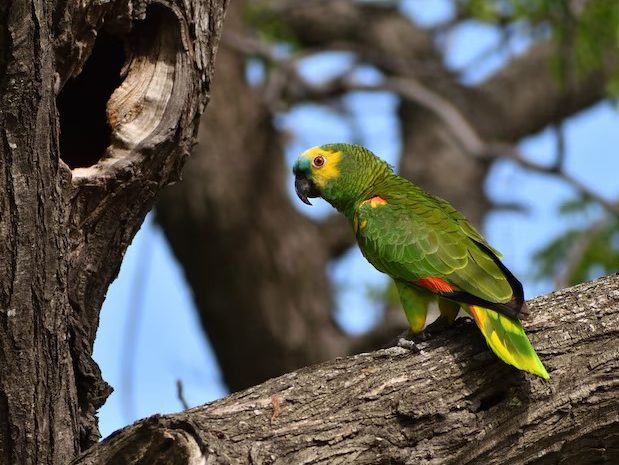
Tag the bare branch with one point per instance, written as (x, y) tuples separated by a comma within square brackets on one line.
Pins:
[(511, 152), (520, 110), (559, 129), (181, 395)]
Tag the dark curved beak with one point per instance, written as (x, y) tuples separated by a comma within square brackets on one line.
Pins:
[(305, 188)]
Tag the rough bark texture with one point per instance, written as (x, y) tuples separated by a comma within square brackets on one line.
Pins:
[(70, 205), (258, 268), (452, 403)]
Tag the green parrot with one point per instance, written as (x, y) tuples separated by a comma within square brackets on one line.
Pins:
[(429, 249)]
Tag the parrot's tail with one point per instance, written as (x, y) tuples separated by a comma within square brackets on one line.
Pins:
[(507, 339)]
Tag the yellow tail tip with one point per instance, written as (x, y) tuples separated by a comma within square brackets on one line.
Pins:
[(538, 371), (507, 339)]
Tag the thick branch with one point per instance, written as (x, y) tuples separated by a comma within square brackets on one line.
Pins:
[(451, 403), (523, 109)]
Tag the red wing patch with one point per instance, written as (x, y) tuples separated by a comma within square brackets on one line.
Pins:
[(434, 284), (375, 201)]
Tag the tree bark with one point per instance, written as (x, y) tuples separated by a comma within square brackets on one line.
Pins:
[(451, 403), (69, 204)]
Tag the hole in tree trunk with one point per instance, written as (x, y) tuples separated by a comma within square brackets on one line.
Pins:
[(84, 129), (130, 97)]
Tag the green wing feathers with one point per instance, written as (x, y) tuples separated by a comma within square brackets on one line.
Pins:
[(508, 341), (415, 236)]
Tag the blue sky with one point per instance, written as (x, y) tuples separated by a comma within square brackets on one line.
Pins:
[(166, 342)]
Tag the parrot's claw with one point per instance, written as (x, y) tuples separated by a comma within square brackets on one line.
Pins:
[(463, 321), (423, 336), (408, 344), (437, 326), (409, 340)]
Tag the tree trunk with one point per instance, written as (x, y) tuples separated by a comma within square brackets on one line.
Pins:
[(452, 403), (87, 139)]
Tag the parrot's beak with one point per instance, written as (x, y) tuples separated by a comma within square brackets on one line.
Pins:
[(305, 188)]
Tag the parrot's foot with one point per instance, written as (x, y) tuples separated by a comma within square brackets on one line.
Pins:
[(463, 321), (437, 326), (410, 340), (408, 344)]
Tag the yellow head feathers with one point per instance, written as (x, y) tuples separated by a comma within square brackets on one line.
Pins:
[(323, 164)]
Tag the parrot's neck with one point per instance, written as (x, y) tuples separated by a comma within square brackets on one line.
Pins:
[(347, 200)]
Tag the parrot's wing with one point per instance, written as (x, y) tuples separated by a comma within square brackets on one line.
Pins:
[(424, 243), (467, 227)]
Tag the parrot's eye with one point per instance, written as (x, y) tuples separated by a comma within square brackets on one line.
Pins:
[(318, 161)]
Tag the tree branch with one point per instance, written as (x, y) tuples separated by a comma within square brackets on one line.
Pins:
[(519, 110), (452, 403), (507, 151)]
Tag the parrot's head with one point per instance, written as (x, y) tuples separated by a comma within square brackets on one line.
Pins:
[(339, 173)]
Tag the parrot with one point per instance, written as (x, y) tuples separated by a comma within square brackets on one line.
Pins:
[(424, 244)]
